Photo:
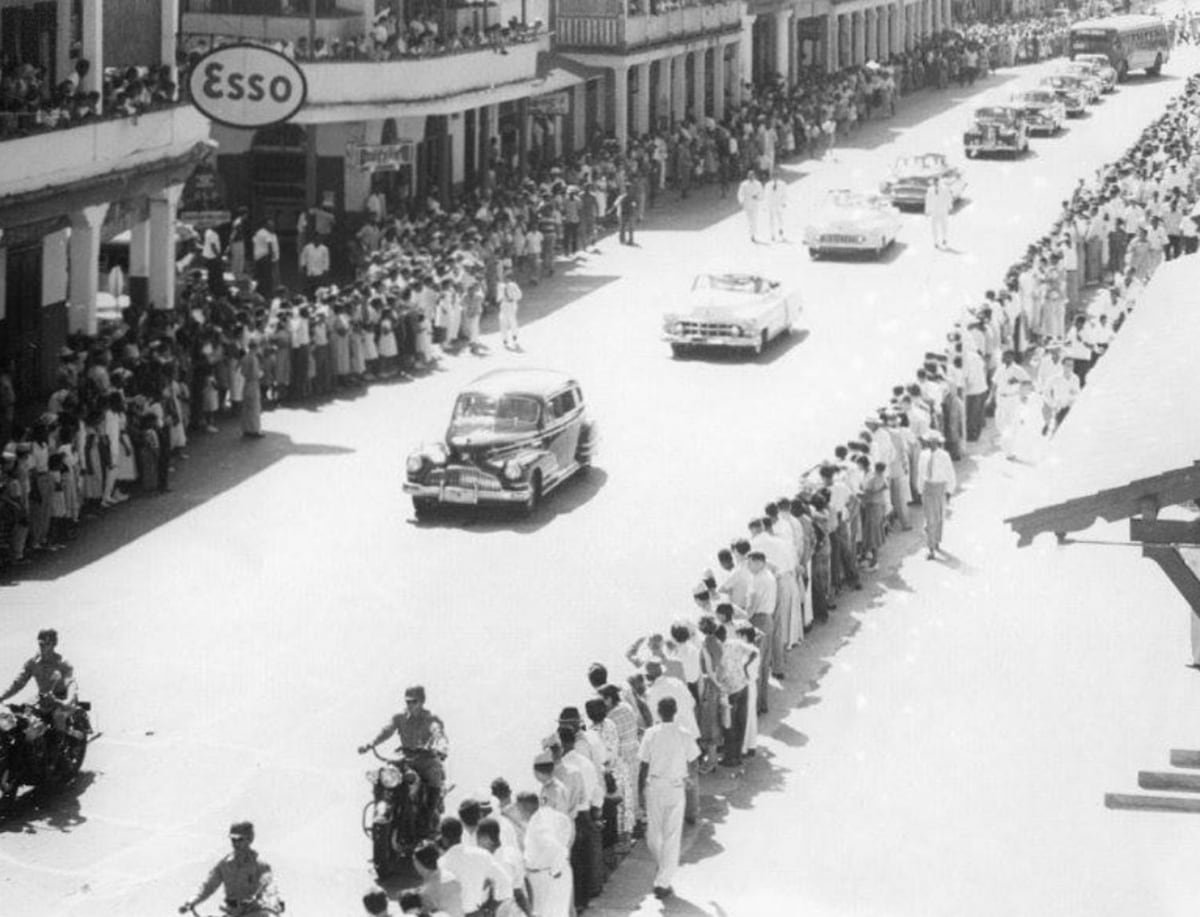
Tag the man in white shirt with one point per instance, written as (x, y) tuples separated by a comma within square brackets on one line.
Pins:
[(761, 601), (210, 253), (750, 195), (935, 472), (667, 753), (510, 859), (1061, 392), (480, 875), (975, 388), (265, 248), (939, 201), (547, 856), (314, 264), (737, 584), (1006, 391), (578, 772)]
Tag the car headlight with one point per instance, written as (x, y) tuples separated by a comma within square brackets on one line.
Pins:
[(437, 454), (415, 463), (389, 776), (512, 470), (677, 328), (8, 720)]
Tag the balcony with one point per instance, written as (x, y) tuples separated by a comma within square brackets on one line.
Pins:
[(610, 30), (98, 149), (350, 90)]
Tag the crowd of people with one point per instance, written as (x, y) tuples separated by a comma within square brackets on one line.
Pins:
[(30, 102), (629, 765)]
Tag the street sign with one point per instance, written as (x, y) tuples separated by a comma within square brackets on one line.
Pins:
[(555, 103), (247, 86), (381, 157)]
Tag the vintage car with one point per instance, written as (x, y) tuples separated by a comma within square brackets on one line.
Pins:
[(742, 311), (851, 222), (997, 129), (514, 436), (1044, 112), (1088, 78), (1070, 91), (1102, 68), (912, 176)]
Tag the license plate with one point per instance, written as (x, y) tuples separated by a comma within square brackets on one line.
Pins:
[(460, 495)]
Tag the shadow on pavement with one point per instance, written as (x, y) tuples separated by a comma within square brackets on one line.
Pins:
[(488, 520), (41, 810), (222, 461)]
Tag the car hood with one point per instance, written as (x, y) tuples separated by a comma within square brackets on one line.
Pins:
[(848, 218), (482, 444), (717, 305)]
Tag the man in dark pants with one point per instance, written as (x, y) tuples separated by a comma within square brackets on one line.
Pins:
[(626, 207)]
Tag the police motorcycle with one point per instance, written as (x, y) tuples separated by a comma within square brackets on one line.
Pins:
[(403, 811), (33, 753)]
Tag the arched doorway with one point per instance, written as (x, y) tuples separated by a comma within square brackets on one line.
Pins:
[(277, 186)]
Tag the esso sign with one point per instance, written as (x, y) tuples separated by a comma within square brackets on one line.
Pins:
[(247, 86)]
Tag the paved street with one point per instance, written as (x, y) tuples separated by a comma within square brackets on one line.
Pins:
[(242, 635)]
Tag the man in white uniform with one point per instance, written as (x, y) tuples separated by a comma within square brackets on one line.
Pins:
[(939, 201), (665, 754), (547, 856), (750, 195)]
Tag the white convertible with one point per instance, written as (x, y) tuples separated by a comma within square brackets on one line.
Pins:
[(742, 311), (848, 221)]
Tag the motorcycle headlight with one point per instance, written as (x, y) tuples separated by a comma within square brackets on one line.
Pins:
[(512, 470), (372, 777), (415, 463), (8, 720), (389, 776)]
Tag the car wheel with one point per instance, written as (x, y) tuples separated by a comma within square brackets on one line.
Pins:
[(814, 253), (679, 351), (71, 761), (1157, 68), (535, 495), (8, 786), (423, 507)]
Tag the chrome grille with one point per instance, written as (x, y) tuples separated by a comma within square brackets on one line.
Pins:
[(469, 477), (841, 237), (709, 329)]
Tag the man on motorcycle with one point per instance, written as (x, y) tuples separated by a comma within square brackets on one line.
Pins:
[(249, 885), (55, 680), (422, 743)]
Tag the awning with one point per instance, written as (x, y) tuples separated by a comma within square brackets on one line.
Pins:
[(554, 73), (1131, 445)]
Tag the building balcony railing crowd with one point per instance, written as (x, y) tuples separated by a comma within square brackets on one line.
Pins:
[(30, 103)]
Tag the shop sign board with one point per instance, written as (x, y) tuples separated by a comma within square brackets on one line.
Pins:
[(247, 86)]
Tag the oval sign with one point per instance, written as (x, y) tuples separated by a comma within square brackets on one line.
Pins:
[(247, 86)]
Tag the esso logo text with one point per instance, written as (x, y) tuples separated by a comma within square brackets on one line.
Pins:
[(247, 86)]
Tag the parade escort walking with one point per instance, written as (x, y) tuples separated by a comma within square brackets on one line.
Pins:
[(749, 195)]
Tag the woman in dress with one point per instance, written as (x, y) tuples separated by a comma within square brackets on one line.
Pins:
[(251, 372)]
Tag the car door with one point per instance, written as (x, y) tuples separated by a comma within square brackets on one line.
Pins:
[(561, 430)]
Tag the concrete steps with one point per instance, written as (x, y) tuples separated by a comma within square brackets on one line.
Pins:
[(1171, 781)]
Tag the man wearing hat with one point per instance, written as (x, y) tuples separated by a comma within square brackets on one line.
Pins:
[(249, 885), (937, 480)]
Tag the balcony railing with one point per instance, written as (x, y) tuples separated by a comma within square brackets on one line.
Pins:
[(625, 32), (96, 148), (341, 85)]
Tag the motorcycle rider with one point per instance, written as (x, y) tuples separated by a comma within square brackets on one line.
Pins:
[(423, 745), (249, 885), (55, 680)]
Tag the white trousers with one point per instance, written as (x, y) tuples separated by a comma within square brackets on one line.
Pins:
[(664, 828), (551, 897), (940, 224), (508, 320), (775, 222), (751, 211)]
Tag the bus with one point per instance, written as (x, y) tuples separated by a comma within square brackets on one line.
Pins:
[(1129, 42)]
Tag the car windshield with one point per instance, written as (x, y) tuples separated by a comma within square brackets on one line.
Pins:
[(929, 162), (993, 114), (854, 200), (476, 411), (1035, 98), (729, 283)]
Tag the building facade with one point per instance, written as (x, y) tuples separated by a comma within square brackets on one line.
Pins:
[(67, 189)]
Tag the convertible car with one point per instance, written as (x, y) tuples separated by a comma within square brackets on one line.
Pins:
[(742, 311), (912, 176), (1044, 112), (996, 129), (851, 222), (514, 436)]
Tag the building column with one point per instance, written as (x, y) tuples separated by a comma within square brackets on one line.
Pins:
[(641, 100), (783, 45), (699, 74), (860, 39), (84, 268), (163, 205), (620, 97), (884, 24), (719, 65), (3, 281), (746, 52), (92, 47), (895, 20), (678, 88), (139, 263), (947, 14), (62, 40), (831, 31), (871, 27), (55, 270), (935, 13), (170, 22)]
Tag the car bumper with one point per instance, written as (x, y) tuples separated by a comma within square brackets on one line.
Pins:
[(716, 340), (467, 496), (991, 146), (907, 198), (868, 244), (1043, 125)]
